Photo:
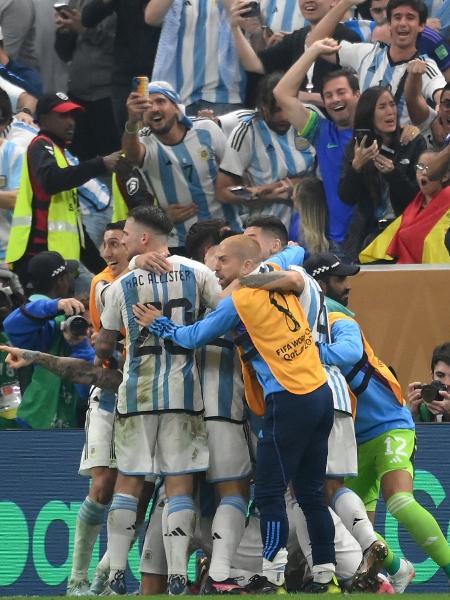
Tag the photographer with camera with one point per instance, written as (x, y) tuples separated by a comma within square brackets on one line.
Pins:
[(51, 322), (430, 402)]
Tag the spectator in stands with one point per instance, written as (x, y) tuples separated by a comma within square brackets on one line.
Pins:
[(330, 137), (378, 64), (23, 75), (434, 124), (196, 54), (11, 156), (282, 16), (49, 401), (280, 57), (439, 164), (89, 53), (379, 172), (46, 212), (135, 45), (310, 221), (429, 42), (418, 235), (53, 70), (267, 151), (17, 24), (435, 410), (180, 157)]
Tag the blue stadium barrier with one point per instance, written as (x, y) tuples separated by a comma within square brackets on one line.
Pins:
[(41, 493)]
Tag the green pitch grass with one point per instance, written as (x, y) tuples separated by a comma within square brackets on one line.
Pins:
[(418, 596)]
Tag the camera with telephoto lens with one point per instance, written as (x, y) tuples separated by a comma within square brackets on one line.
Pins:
[(77, 326), (430, 391)]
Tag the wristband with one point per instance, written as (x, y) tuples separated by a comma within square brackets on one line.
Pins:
[(131, 131)]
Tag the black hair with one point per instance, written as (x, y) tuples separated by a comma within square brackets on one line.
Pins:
[(417, 5), (116, 225), (440, 353), (446, 87), (365, 109), (152, 217), (265, 97), (6, 112), (201, 235), (271, 225), (348, 73)]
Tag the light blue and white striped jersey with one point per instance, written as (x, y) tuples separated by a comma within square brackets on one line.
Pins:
[(221, 380), (186, 173), (282, 15), (434, 6), (339, 389), (159, 375), (11, 161), (312, 300), (204, 43), (362, 27), (265, 156), (371, 62), (230, 120), (21, 133)]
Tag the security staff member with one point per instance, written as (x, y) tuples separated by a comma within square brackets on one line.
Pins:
[(46, 214)]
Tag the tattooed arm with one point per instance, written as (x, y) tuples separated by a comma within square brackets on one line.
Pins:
[(73, 369), (285, 281)]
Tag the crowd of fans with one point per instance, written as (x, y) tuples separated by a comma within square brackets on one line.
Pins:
[(266, 96)]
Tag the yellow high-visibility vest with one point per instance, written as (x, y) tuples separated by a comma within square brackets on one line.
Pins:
[(63, 223)]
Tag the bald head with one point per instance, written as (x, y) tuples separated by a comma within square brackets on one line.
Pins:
[(236, 256), (243, 247)]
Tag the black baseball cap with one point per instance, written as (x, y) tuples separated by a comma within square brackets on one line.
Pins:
[(46, 266), (57, 102), (326, 263)]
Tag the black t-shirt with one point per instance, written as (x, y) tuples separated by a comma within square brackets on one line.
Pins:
[(283, 55)]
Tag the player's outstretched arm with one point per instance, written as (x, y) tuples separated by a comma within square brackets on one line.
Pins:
[(285, 281), (221, 320), (73, 369)]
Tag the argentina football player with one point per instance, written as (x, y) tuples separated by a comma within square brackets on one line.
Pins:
[(159, 410)]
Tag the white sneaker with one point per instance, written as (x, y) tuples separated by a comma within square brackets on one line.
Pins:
[(78, 588), (403, 577)]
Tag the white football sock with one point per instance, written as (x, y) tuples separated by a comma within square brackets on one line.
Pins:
[(227, 530), (121, 526), (348, 551), (89, 523), (103, 565), (350, 509), (178, 531)]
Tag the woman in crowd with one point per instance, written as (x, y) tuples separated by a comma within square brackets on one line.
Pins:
[(378, 173), (309, 221), (419, 235)]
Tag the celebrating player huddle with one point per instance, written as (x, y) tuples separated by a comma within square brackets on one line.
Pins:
[(240, 386)]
